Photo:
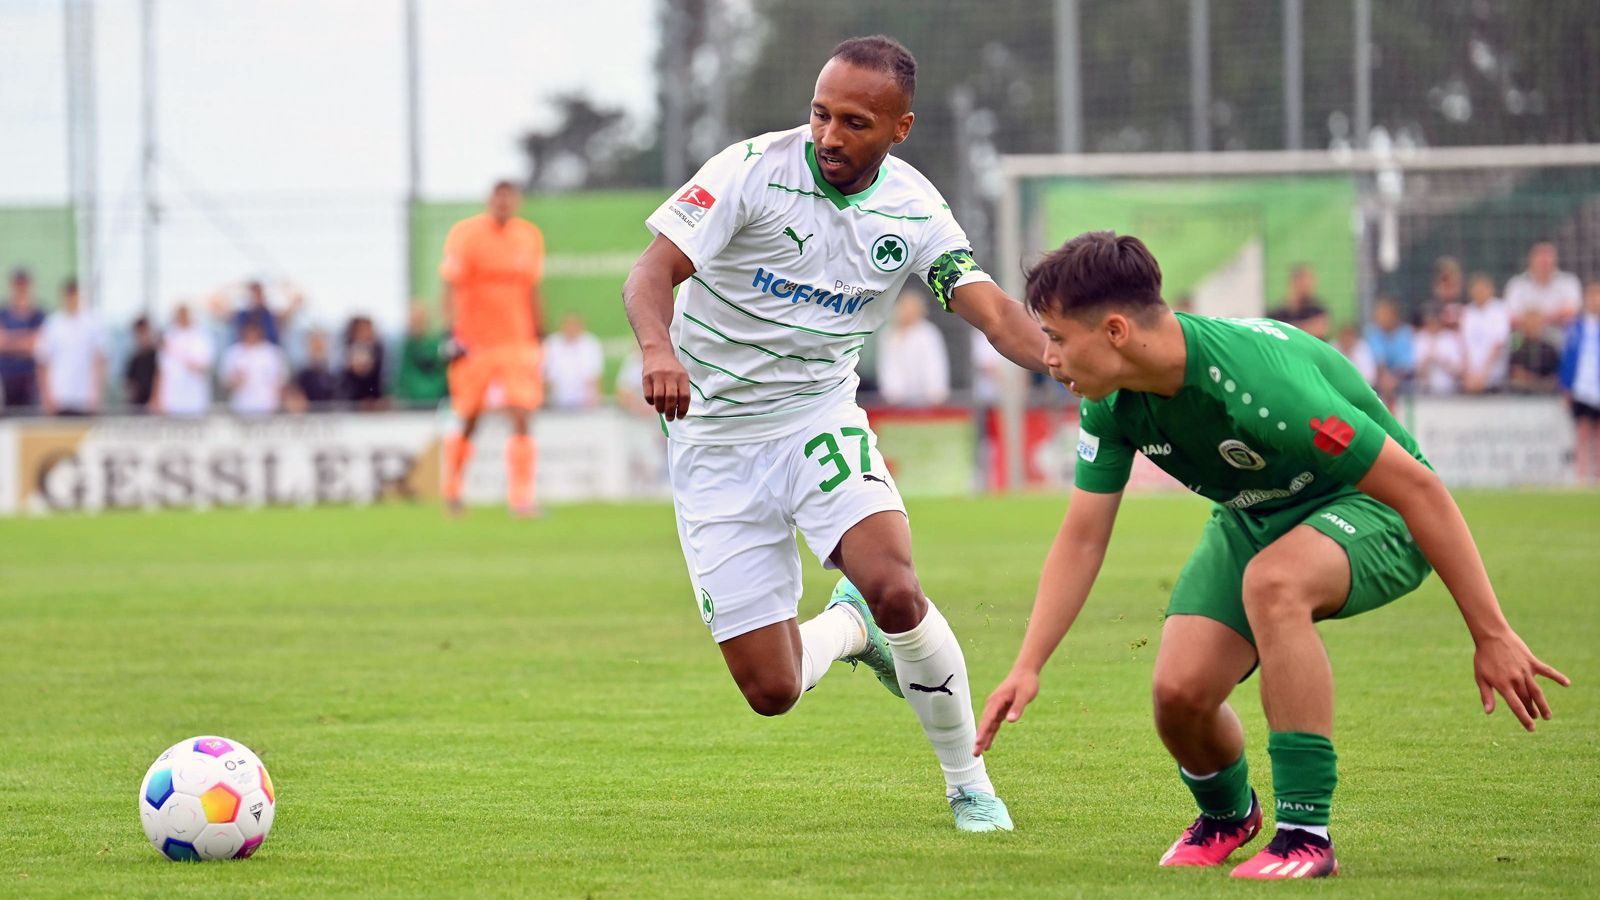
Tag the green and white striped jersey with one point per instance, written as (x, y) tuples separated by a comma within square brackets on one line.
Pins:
[(791, 277)]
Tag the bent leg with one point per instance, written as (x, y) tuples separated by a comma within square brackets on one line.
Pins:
[(765, 663), (875, 554), (1199, 663), (521, 455), (1300, 577), (744, 567)]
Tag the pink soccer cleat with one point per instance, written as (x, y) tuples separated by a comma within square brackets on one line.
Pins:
[(1209, 841), (1293, 853)]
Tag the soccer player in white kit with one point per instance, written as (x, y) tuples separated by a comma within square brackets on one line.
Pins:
[(791, 248)]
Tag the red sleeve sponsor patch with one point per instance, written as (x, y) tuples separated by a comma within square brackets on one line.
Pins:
[(697, 196), (1332, 435)]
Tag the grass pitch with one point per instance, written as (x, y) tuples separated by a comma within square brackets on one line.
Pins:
[(494, 707)]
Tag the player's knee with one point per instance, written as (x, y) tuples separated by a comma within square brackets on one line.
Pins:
[(771, 696), (1181, 700), (1274, 591), (897, 602)]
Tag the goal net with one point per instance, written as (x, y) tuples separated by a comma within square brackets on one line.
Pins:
[(1228, 228)]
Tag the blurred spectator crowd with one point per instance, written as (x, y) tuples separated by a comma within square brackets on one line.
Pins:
[(1535, 337), (242, 348), (1541, 335)]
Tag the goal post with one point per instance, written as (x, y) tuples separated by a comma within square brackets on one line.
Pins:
[(1229, 226)]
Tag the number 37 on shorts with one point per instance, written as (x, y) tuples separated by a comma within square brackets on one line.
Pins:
[(825, 449)]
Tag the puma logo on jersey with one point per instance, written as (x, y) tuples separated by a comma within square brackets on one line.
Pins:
[(790, 233), (750, 150), (868, 476)]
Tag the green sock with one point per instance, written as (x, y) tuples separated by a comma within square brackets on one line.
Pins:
[(1304, 772), (1225, 795)]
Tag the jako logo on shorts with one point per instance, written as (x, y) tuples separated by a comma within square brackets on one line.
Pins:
[(1339, 523)]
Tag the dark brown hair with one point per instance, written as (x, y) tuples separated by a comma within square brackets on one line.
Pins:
[(881, 53), (1094, 272)]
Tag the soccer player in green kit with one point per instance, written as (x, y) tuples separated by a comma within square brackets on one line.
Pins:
[(1325, 509)]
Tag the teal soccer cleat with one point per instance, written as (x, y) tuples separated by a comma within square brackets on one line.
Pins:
[(876, 655), (976, 812)]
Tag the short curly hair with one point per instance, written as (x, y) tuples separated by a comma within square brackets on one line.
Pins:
[(881, 53)]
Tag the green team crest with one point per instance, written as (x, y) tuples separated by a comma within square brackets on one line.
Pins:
[(889, 252), (707, 611)]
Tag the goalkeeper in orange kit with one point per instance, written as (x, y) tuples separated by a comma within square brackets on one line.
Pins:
[(492, 265)]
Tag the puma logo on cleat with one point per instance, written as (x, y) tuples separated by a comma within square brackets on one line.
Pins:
[(941, 689), (869, 477)]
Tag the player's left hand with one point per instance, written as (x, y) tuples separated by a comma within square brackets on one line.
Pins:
[(1005, 704), (1506, 665)]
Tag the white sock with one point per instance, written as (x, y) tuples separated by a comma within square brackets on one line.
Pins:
[(929, 657), (835, 633), (1320, 831)]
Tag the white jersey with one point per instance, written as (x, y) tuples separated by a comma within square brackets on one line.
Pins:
[(791, 277)]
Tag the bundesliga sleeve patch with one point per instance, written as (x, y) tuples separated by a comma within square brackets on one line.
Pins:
[(1332, 435), (947, 271), (694, 203)]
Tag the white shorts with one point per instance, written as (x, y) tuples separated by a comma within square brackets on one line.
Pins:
[(738, 506)]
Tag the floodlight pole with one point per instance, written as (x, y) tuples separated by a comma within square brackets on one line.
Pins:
[(149, 231), (1199, 75), (1363, 73), (1069, 84), (413, 151), (1293, 77), (82, 144)]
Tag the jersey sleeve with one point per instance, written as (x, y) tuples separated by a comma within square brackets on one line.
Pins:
[(703, 215), (1301, 414), (536, 243), (945, 257), (453, 265), (1105, 458)]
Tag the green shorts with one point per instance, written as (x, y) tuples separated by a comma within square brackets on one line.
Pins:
[(1385, 563)]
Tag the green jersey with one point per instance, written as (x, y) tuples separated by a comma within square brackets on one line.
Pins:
[(1268, 418)]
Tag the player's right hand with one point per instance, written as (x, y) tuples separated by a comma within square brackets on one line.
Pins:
[(1005, 704), (665, 385)]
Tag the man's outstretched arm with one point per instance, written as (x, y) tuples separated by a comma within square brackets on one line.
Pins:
[(1004, 321), (1070, 569), (647, 297), (1503, 662)]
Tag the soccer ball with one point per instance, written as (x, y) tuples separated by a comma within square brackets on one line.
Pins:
[(207, 798)]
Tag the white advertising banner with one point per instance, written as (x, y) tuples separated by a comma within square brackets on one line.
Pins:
[(73, 465), (76, 465), (1495, 441)]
